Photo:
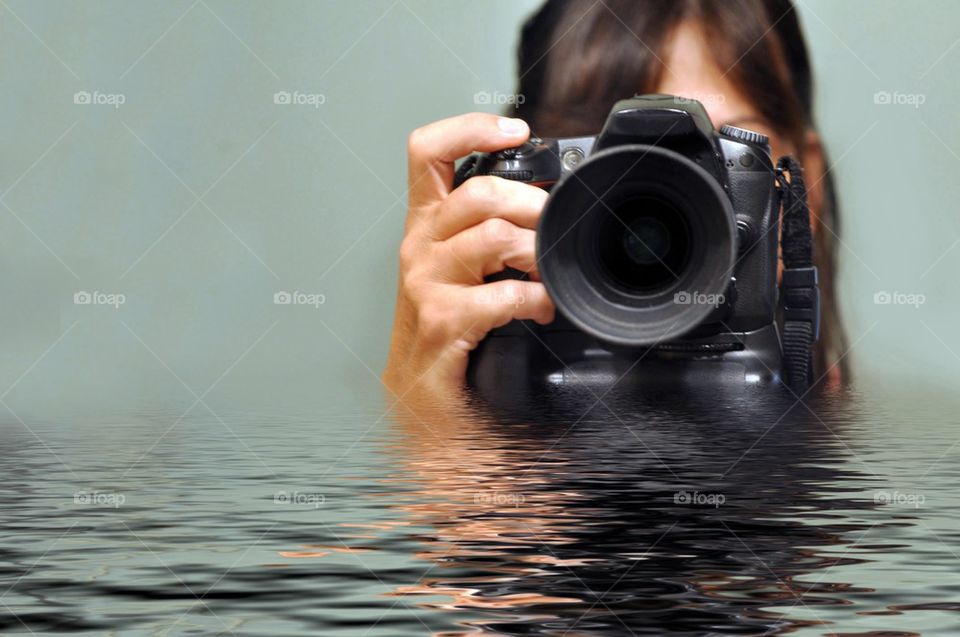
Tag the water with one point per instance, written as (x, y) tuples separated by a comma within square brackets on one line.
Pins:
[(695, 514)]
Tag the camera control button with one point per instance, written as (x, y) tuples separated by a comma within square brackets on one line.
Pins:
[(519, 151), (744, 135), (571, 158)]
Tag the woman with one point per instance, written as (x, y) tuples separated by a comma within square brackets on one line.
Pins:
[(746, 60)]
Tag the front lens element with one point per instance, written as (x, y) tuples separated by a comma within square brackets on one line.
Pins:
[(643, 245)]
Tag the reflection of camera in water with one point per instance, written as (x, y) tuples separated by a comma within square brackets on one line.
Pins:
[(659, 240)]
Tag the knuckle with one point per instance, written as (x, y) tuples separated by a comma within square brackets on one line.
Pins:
[(512, 292), (409, 250), (483, 189), (416, 267), (417, 142), (411, 289), (498, 231), (537, 196), (416, 287), (433, 326), (506, 300)]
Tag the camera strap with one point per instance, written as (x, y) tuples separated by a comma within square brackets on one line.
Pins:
[(465, 170), (798, 285)]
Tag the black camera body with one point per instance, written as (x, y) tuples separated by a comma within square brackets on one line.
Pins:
[(659, 246)]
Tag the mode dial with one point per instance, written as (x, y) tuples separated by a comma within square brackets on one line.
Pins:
[(744, 135)]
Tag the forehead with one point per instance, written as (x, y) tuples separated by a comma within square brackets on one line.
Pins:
[(692, 71)]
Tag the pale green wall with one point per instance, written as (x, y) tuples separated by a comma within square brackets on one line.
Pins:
[(897, 170), (316, 204)]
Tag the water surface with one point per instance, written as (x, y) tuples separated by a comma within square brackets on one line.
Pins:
[(598, 515)]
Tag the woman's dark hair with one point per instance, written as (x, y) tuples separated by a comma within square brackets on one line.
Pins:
[(578, 57)]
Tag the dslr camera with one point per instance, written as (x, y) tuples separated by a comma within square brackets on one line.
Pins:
[(659, 246)]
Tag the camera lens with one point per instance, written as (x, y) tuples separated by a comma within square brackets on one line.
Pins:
[(643, 244), (646, 241), (631, 230)]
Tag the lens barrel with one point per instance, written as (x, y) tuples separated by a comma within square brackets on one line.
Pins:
[(633, 242)]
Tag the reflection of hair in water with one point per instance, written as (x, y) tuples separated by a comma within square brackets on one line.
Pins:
[(613, 512)]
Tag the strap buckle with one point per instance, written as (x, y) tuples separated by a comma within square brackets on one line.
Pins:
[(801, 296)]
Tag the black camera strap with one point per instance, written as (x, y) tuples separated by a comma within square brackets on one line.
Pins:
[(798, 285), (465, 170)]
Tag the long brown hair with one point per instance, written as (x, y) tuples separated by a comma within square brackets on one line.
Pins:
[(578, 57)]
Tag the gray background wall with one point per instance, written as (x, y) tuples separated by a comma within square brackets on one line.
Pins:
[(199, 197)]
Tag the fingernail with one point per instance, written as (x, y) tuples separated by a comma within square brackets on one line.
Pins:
[(512, 126)]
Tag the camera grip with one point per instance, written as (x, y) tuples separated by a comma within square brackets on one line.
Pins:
[(754, 197)]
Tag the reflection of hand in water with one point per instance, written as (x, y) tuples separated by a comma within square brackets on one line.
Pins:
[(483, 513), (462, 466), (570, 520)]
